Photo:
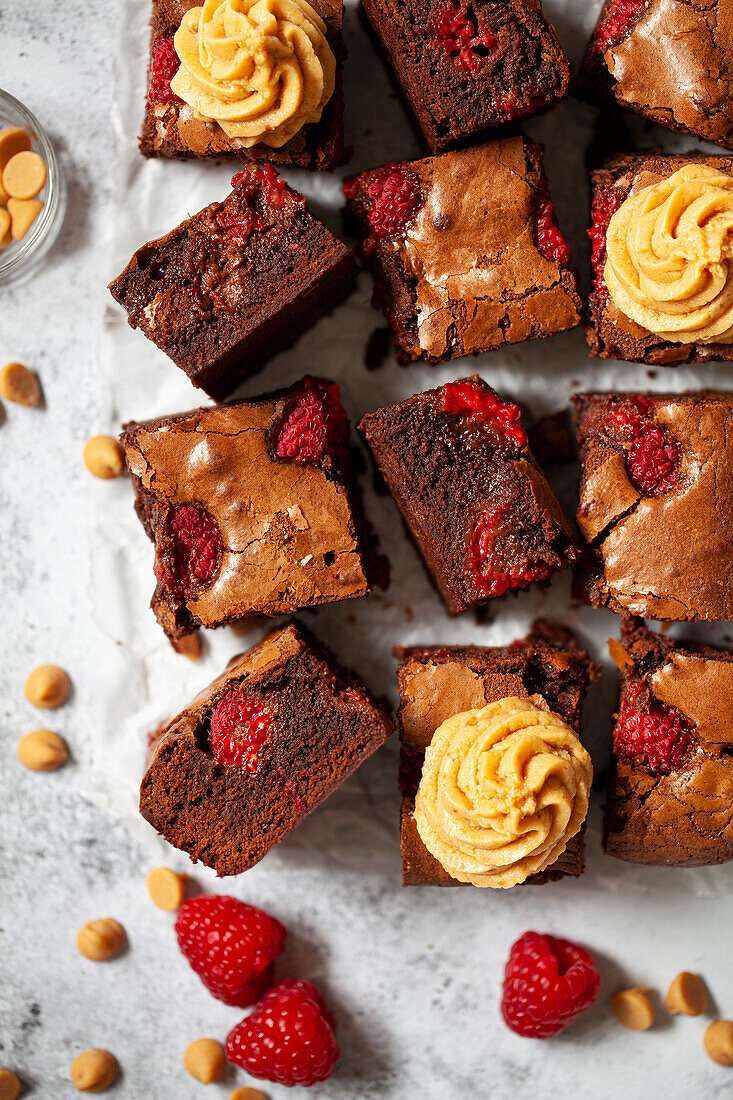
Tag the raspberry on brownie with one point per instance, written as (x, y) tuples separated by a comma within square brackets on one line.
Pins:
[(227, 808), (656, 503), (235, 284), (465, 250), (466, 68), (250, 506), (458, 464), (671, 784)]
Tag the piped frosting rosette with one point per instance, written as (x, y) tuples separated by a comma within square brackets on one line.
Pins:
[(669, 251), (503, 790), (261, 69)]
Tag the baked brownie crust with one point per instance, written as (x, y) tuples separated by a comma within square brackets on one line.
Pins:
[(324, 726), (171, 130), (683, 818), (667, 555)]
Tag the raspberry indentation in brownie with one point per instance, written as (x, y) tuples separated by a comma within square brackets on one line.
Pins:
[(164, 64), (238, 729), (494, 576), (652, 458), (456, 30), (315, 424), (192, 551), (617, 22), (259, 197), (550, 240), (472, 400), (659, 735), (605, 204)]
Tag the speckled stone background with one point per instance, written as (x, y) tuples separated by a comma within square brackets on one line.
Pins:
[(414, 976)]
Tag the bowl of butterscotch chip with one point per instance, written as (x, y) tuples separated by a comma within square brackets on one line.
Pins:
[(32, 192)]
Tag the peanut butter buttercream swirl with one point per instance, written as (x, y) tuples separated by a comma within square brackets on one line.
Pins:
[(669, 256), (261, 69), (503, 790)]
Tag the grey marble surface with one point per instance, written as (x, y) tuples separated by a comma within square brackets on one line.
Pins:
[(414, 976)]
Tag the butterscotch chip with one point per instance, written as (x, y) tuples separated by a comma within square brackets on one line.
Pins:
[(9, 1084), (24, 175), (13, 140), (718, 1042), (23, 213), (104, 457), (166, 888), (17, 383), (47, 687), (205, 1060), (247, 1093), (93, 1071), (101, 940), (687, 995), (42, 751), (5, 235), (633, 1009)]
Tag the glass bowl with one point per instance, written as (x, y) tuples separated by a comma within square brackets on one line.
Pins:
[(20, 258)]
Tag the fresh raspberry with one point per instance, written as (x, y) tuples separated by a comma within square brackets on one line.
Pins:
[(483, 540), (395, 198), (550, 240), (288, 1038), (660, 735), (238, 729), (164, 64), (652, 459), (230, 945), (472, 400), (457, 33), (605, 204), (619, 19), (548, 982), (317, 423), (195, 546)]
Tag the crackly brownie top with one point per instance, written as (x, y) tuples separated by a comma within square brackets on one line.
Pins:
[(247, 504), (656, 501)]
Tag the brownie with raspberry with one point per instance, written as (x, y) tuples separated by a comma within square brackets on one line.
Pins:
[(656, 503), (235, 284), (466, 68), (437, 682), (172, 129), (690, 90), (458, 464), (251, 507), (465, 250), (610, 333), (671, 783), (258, 750)]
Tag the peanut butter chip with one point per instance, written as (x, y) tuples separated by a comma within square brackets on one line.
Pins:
[(101, 940), (104, 457), (17, 383), (93, 1071), (633, 1009), (718, 1042), (47, 687), (205, 1060), (5, 237), (166, 888), (42, 751), (24, 175), (247, 1093), (687, 995), (13, 140), (23, 213), (619, 656), (9, 1085)]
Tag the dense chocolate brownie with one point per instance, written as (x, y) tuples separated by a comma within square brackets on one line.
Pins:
[(236, 283), (671, 785), (459, 467), (258, 750), (171, 128), (463, 69), (611, 334), (438, 682), (465, 250), (249, 506), (656, 503), (669, 60)]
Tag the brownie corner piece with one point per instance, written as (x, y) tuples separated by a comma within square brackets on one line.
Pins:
[(465, 250), (671, 782), (259, 749), (236, 283)]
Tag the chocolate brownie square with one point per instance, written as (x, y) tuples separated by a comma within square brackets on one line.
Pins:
[(438, 682), (258, 750), (238, 282), (668, 60), (663, 279), (458, 464), (465, 250), (176, 129), (671, 784), (466, 69), (250, 507), (656, 503)]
